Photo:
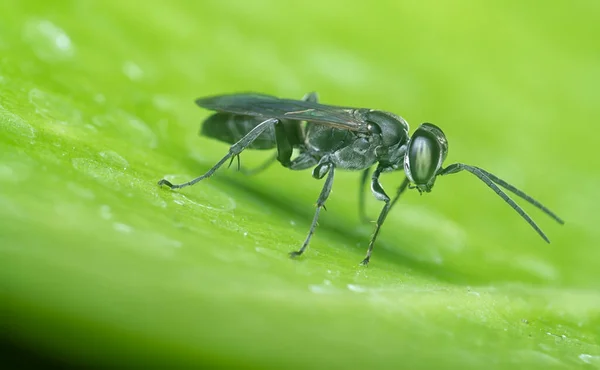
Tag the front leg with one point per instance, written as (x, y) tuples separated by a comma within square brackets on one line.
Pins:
[(379, 194), (384, 211), (376, 187)]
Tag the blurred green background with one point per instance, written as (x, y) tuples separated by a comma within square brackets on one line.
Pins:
[(100, 266)]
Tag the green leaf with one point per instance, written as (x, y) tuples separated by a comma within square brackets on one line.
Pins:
[(99, 265)]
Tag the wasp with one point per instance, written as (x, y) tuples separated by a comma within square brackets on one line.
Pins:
[(329, 138)]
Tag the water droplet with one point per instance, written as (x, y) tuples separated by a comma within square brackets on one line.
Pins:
[(54, 107), (91, 129), (113, 158), (325, 288), (6, 172), (14, 124), (80, 191), (122, 228), (132, 128), (48, 41), (356, 288), (155, 199), (589, 359), (317, 289), (102, 172), (133, 71), (15, 167), (99, 98), (105, 212), (163, 102), (164, 241), (111, 174), (89, 166)]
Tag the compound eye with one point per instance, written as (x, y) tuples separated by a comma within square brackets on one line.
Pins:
[(423, 156)]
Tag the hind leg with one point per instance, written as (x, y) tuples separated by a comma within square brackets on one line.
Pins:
[(234, 150)]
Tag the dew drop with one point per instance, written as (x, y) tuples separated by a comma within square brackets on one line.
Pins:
[(113, 158), (132, 71), (132, 128), (122, 228), (105, 212), (15, 167), (14, 124), (80, 191), (589, 359), (100, 98), (163, 103), (101, 172), (54, 107), (356, 288), (48, 41)]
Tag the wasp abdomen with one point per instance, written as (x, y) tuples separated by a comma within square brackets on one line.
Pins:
[(230, 128)]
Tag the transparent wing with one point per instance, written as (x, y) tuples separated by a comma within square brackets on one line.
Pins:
[(266, 106)]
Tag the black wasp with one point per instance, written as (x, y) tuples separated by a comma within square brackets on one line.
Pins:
[(330, 137)]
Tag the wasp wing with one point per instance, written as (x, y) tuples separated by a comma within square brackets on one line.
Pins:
[(266, 106)]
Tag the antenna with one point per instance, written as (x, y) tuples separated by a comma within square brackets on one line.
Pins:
[(491, 180)]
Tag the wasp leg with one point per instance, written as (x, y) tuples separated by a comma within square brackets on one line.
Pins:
[(285, 137), (239, 166), (384, 211), (362, 214), (284, 147), (234, 150), (376, 187), (303, 161), (319, 172)]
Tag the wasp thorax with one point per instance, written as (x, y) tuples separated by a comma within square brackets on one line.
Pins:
[(392, 128)]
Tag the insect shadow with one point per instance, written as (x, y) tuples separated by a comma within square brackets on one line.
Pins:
[(329, 138), (344, 232)]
